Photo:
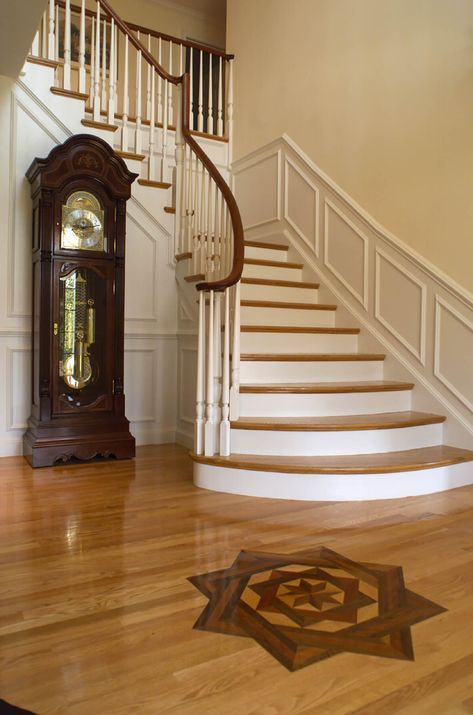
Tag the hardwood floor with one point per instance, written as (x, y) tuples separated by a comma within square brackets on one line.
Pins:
[(97, 614)]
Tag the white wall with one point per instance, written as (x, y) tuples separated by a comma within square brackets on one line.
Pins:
[(29, 128)]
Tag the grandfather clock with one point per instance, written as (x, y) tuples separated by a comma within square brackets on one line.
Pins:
[(79, 211)]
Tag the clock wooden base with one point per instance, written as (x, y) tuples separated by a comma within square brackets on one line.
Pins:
[(45, 445)]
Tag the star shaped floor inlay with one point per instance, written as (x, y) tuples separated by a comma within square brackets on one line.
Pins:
[(311, 605)]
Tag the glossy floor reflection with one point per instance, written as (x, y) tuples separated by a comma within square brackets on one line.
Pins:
[(97, 614)]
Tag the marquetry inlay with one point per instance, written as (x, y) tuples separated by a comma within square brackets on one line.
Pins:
[(311, 605)]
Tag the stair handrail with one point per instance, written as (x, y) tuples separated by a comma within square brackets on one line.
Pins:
[(184, 81)]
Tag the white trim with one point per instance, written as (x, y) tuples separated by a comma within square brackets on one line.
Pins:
[(181, 416), (9, 352), (315, 246), (419, 354), (363, 299), (440, 302)]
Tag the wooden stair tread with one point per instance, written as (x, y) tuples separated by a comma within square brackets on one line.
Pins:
[(99, 125), (275, 264), (170, 209), (282, 284), (286, 304), (311, 357), (154, 184), (382, 420), (316, 388), (183, 256), (195, 279), (130, 155), (263, 244), (378, 463), (42, 61), (69, 93), (297, 329)]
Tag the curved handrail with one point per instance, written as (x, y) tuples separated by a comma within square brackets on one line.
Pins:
[(184, 80)]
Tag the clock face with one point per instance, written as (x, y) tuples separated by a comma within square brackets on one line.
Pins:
[(82, 223)]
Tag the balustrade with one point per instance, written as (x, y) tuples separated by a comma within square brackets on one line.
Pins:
[(112, 64)]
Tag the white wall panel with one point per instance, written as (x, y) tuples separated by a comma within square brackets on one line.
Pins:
[(401, 303), (266, 175), (301, 204), (454, 351)]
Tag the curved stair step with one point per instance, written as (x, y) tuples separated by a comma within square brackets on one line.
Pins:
[(338, 423), (312, 357), (328, 387)]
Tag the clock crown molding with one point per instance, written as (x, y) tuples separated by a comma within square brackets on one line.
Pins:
[(84, 156)]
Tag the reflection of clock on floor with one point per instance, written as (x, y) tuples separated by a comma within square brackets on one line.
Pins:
[(79, 211)]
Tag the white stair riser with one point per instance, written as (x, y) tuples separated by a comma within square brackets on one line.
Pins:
[(256, 315), (298, 343), (331, 443), (250, 291), (346, 403), (332, 487), (265, 254), (262, 372), (272, 272)]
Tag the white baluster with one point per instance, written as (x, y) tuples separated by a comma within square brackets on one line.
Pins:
[(196, 219), (220, 99), (202, 216), (97, 67), (200, 392), (225, 423), (92, 64), (170, 86), (191, 88), (148, 83), (180, 215), (217, 368), (51, 32), (111, 76), (104, 65), (189, 201), (82, 73), (56, 34), (216, 231), (151, 131), (44, 38), (165, 132), (181, 60), (210, 113), (160, 83), (200, 116), (126, 100), (138, 105), (230, 112), (66, 77), (235, 387), (210, 407)]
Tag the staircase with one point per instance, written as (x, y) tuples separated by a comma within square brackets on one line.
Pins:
[(287, 405), (317, 420)]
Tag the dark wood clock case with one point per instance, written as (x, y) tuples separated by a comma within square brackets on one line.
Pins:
[(81, 415)]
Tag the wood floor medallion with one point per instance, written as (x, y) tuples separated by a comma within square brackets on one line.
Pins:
[(311, 605)]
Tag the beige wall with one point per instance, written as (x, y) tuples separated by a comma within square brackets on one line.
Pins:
[(380, 95), (177, 21)]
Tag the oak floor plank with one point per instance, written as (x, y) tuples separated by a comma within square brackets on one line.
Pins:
[(96, 613)]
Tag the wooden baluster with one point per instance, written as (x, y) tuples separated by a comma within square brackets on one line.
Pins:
[(230, 112), (210, 112), (220, 99), (148, 83), (104, 65), (111, 76), (225, 400), (151, 130), (92, 64), (51, 32), (235, 386), (170, 86), (66, 76), (165, 132), (126, 100), (200, 392), (200, 116), (191, 88), (160, 85), (138, 103), (96, 108), (82, 72), (209, 448)]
